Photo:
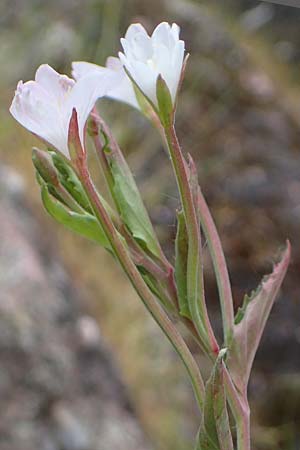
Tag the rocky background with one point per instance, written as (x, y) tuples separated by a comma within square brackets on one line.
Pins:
[(239, 115), (60, 387)]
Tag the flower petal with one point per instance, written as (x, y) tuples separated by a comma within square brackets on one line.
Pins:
[(33, 108), (146, 58), (81, 69), (122, 89), (114, 63), (137, 43), (162, 35), (133, 30), (147, 80), (54, 83), (175, 29), (84, 95)]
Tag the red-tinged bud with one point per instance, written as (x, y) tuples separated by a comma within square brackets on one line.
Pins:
[(76, 150), (44, 166)]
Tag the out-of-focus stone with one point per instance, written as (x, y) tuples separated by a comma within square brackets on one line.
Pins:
[(59, 386)]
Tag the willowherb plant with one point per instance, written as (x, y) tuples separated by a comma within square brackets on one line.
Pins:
[(61, 111)]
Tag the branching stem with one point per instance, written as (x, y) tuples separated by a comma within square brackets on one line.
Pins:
[(141, 288)]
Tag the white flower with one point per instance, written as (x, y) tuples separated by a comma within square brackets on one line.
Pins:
[(122, 90), (44, 106), (147, 57)]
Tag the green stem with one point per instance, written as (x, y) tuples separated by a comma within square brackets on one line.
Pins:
[(141, 288), (195, 283)]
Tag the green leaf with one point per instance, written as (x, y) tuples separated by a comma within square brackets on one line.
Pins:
[(70, 180), (126, 196), (132, 209), (215, 433), (84, 224), (164, 100), (250, 322), (181, 256)]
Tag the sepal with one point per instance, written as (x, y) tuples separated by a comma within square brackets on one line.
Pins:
[(164, 101)]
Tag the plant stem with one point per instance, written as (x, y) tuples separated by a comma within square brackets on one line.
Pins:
[(220, 268), (243, 431), (141, 288), (195, 281)]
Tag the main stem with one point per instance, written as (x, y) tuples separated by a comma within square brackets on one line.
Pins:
[(141, 288), (243, 431), (195, 276)]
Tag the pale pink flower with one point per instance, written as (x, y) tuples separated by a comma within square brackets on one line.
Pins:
[(146, 57), (44, 106), (122, 90)]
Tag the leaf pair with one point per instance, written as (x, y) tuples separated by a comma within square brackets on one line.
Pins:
[(189, 260), (64, 197)]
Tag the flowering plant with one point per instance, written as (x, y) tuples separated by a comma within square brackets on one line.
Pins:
[(61, 111)]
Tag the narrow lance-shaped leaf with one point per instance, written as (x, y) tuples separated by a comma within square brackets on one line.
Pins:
[(84, 224), (215, 433), (181, 255), (127, 196), (250, 323), (195, 278)]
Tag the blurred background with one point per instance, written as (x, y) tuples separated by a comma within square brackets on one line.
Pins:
[(65, 307)]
